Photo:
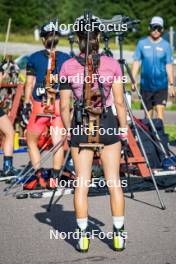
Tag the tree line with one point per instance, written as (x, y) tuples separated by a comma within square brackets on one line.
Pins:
[(26, 14)]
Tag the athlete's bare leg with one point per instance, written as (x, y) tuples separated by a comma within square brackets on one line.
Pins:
[(160, 111), (83, 165), (58, 157), (110, 156), (8, 131), (34, 153)]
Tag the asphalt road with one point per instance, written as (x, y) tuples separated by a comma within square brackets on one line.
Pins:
[(27, 230), (26, 227), (25, 48)]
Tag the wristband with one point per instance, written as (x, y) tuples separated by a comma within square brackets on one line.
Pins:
[(123, 133), (123, 130)]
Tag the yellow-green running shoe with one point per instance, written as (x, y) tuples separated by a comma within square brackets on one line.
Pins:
[(119, 239), (83, 242)]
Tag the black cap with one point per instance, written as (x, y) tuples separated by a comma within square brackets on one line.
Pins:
[(88, 18), (49, 27)]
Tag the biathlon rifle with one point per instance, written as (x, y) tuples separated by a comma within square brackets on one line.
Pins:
[(91, 99), (50, 82)]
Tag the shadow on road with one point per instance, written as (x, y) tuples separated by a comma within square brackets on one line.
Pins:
[(64, 221)]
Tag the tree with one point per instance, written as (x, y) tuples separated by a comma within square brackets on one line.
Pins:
[(27, 14)]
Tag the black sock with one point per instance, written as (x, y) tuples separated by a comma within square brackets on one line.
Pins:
[(7, 164), (38, 172), (55, 173)]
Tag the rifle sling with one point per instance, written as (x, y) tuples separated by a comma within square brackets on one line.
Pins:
[(96, 59)]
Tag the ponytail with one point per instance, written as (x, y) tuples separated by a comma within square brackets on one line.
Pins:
[(49, 42), (93, 42)]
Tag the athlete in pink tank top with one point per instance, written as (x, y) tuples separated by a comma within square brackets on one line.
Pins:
[(109, 71), (72, 82)]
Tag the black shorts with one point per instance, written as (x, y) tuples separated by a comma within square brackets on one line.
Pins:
[(108, 130), (152, 99), (1, 112)]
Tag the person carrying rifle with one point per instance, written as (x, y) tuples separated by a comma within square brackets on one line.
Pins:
[(42, 95), (110, 154)]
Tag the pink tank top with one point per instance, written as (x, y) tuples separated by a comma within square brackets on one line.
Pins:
[(109, 70)]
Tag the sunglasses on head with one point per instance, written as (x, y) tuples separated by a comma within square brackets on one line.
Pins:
[(158, 28)]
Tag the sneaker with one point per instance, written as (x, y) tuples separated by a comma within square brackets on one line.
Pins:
[(42, 183), (70, 166), (36, 182), (83, 242), (119, 239), (53, 181), (11, 171)]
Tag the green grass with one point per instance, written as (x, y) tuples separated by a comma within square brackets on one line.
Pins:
[(18, 38), (171, 131), (29, 38), (171, 107), (136, 106), (13, 57)]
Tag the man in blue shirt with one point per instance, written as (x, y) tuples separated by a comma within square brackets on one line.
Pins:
[(156, 59), (41, 85)]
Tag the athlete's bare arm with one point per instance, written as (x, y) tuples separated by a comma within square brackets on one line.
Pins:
[(117, 90), (30, 82), (65, 97)]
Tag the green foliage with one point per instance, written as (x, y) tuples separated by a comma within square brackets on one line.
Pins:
[(27, 14), (171, 131), (136, 105)]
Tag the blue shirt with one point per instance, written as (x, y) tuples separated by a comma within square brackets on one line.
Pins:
[(37, 66), (154, 55)]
